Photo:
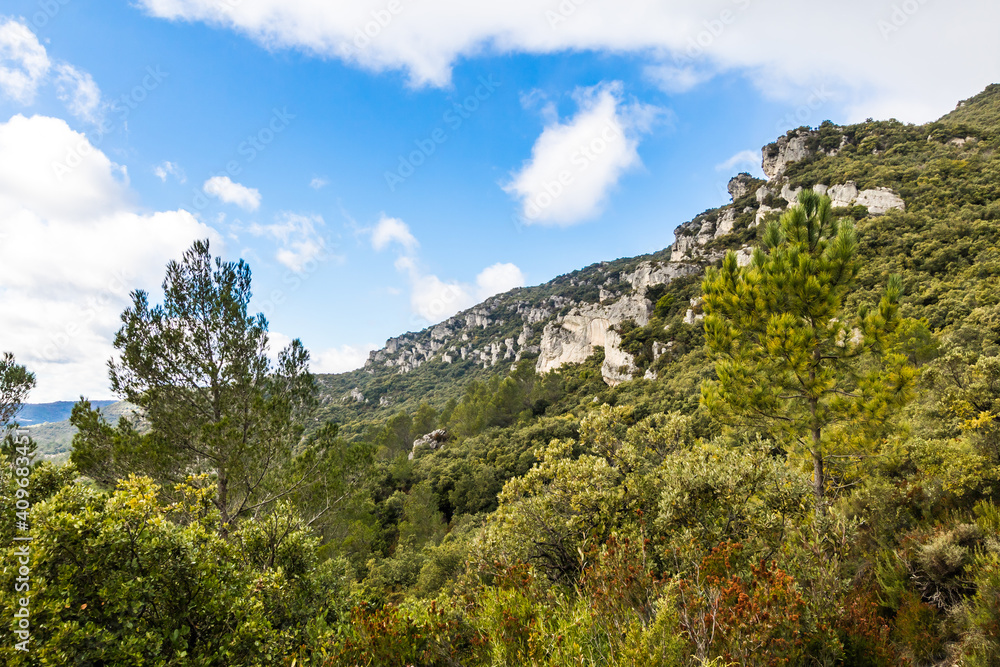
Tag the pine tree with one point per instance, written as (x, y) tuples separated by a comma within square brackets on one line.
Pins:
[(197, 366), (15, 383), (789, 359)]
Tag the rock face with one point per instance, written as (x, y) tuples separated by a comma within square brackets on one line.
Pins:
[(656, 273), (880, 200), (739, 185), (572, 338), (432, 440), (787, 149)]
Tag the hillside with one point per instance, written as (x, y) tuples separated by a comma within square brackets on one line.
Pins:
[(765, 444), (888, 176), (48, 424)]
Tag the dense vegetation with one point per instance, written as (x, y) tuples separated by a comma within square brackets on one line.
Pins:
[(814, 477)]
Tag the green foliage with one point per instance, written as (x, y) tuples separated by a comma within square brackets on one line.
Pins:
[(711, 495), (115, 581), (15, 384)]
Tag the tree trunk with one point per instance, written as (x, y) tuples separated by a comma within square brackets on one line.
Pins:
[(817, 448), (222, 502), (818, 476)]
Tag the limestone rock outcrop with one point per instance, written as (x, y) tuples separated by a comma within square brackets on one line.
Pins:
[(739, 185), (572, 338), (787, 149), (432, 440)]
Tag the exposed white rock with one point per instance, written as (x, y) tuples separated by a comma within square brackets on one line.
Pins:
[(880, 200), (573, 338), (842, 195), (477, 318), (743, 256), (725, 223), (682, 247), (694, 313), (790, 194), (524, 336), (957, 141), (787, 149), (356, 395), (432, 440), (648, 274), (739, 185), (761, 212)]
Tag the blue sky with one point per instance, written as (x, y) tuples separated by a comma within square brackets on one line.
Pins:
[(378, 185)]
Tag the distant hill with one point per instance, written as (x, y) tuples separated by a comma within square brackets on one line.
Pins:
[(50, 428), (33, 414)]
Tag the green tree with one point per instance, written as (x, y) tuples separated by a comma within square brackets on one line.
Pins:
[(197, 366), (788, 355), (15, 383)]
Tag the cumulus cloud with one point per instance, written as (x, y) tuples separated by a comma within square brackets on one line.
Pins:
[(24, 63), (301, 245), (575, 165), (497, 279), (168, 168), (908, 60), (230, 192), (331, 360), (432, 298), (318, 183), (393, 230), (90, 245), (745, 158), (341, 359)]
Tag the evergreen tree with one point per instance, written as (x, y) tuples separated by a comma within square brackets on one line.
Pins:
[(789, 358), (15, 383), (197, 366)]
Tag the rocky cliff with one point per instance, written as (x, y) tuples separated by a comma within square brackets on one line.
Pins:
[(564, 321)]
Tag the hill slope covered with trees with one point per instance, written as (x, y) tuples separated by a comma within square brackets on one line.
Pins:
[(775, 443)]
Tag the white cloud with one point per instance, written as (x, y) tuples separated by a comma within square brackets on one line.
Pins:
[(229, 192), (432, 298), (747, 157), (575, 165), (167, 168), (318, 183), (79, 93), (77, 245), (674, 79), (23, 61), (301, 244), (51, 159), (341, 359), (331, 360), (25, 65), (888, 59), (393, 230), (497, 279)]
